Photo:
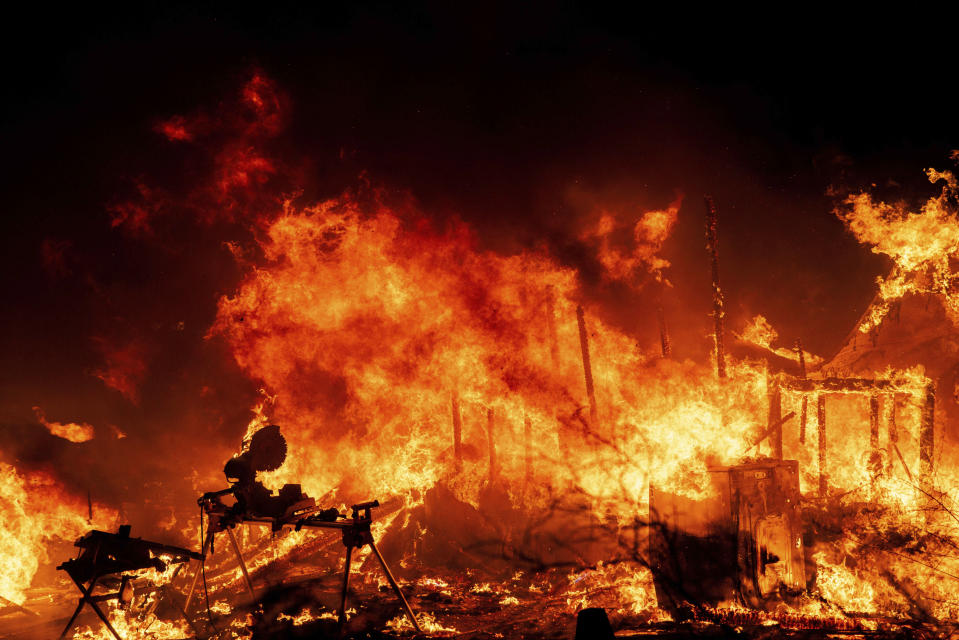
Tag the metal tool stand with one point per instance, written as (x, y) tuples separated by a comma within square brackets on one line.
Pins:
[(87, 598), (117, 554), (356, 535)]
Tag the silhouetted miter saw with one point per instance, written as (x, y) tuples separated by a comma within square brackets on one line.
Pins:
[(107, 559), (254, 504)]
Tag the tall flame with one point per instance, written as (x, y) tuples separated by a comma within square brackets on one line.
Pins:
[(34, 511), (923, 244)]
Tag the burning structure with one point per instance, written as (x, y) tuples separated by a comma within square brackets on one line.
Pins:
[(532, 455)]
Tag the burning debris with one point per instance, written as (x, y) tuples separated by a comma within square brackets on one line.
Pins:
[(534, 461)]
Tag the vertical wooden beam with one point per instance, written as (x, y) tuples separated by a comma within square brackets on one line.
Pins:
[(875, 458), (457, 428), (927, 433), (804, 402), (774, 420), (803, 418), (587, 366), (491, 442), (719, 313), (893, 432), (821, 419)]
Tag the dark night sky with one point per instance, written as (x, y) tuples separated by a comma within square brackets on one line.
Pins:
[(495, 115)]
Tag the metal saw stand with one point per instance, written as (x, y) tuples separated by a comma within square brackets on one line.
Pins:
[(115, 554), (356, 535), (87, 598)]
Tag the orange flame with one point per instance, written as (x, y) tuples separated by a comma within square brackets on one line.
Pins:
[(72, 431), (922, 244)]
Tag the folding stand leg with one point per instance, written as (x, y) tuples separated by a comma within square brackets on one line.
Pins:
[(346, 584), (239, 557), (106, 620), (207, 543), (396, 587), (85, 599), (73, 618)]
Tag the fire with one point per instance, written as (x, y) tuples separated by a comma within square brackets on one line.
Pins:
[(72, 431), (401, 357), (362, 325), (623, 261), (922, 244), (759, 332), (34, 512)]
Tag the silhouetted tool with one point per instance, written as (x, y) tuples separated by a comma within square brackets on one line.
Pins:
[(256, 505), (106, 554)]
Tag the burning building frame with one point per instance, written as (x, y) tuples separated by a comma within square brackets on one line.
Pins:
[(539, 424)]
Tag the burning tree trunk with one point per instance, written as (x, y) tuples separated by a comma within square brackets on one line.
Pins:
[(719, 313), (587, 366)]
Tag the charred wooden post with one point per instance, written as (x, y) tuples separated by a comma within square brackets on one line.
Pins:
[(774, 422), (821, 419), (664, 341), (804, 402), (803, 418), (875, 459), (719, 313), (457, 429), (491, 442), (927, 433), (587, 366), (893, 432), (551, 326)]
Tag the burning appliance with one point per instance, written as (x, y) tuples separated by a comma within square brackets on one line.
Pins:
[(742, 542)]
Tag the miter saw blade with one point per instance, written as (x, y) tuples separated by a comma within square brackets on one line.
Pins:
[(267, 449)]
